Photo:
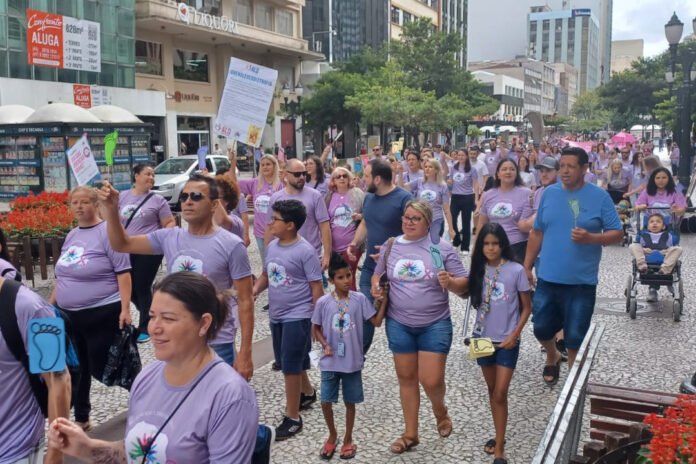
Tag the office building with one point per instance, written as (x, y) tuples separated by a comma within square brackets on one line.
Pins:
[(404, 11), (569, 36), (509, 91), (625, 52), (566, 83), (454, 20)]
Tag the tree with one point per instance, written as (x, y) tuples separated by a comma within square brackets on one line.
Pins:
[(588, 113)]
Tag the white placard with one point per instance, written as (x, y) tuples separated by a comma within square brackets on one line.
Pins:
[(81, 45), (245, 101), (81, 161)]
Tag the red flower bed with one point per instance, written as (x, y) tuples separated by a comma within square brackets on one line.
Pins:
[(674, 434), (43, 215)]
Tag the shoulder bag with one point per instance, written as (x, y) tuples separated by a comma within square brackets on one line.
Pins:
[(383, 303), (137, 208)]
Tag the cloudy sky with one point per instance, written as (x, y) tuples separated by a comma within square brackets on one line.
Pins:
[(645, 19)]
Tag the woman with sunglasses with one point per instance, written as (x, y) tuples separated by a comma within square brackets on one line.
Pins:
[(316, 178), (344, 203), (419, 325)]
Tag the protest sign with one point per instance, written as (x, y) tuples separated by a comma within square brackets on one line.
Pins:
[(81, 161)]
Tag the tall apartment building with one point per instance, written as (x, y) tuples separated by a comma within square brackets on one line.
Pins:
[(453, 19), (569, 36)]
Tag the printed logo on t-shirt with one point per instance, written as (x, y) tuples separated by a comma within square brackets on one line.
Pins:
[(261, 203), (498, 291), (277, 275), (127, 211), (136, 442), (428, 195), (409, 270), (343, 216), (73, 255), (187, 263), (501, 210), (459, 177), (339, 325)]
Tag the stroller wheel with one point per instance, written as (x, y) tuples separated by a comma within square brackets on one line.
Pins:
[(676, 310), (633, 309), (629, 288)]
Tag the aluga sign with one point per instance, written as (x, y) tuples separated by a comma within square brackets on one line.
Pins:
[(190, 15)]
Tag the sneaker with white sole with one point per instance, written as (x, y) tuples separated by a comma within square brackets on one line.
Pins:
[(306, 401), (288, 429), (263, 455)]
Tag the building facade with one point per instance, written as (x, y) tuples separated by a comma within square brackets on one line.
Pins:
[(454, 20), (509, 91), (404, 11), (566, 83), (570, 36), (625, 52)]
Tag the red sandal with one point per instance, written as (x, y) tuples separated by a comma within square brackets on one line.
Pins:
[(328, 450), (349, 450)]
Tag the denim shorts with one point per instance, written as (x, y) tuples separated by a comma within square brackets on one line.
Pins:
[(351, 385), (561, 306), (434, 338), (226, 351), (292, 341), (501, 357)]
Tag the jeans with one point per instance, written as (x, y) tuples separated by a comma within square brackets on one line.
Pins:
[(464, 205), (226, 351), (365, 287)]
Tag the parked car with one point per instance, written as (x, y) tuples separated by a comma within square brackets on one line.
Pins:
[(172, 174)]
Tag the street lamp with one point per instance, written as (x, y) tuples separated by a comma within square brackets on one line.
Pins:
[(686, 57)]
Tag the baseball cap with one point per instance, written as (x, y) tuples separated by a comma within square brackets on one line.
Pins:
[(548, 163)]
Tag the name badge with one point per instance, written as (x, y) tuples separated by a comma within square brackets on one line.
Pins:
[(341, 349)]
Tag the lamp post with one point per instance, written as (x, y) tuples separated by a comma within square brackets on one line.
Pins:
[(292, 108), (673, 32)]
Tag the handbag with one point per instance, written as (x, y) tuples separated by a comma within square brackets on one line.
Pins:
[(123, 360), (479, 347), (383, 303)]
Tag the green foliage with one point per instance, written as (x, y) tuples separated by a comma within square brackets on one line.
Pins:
[(474, 132), (589, 114)]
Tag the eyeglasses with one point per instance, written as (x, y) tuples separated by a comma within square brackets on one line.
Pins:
[(298, 174), (411, 219), (340, 176), (195, 196), (377, 149), (276, 218)]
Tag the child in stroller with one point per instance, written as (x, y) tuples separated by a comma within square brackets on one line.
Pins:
[(655, 246)]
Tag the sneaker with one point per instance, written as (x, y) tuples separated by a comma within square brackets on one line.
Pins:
[(306, 401), (457, 240), (262, 453), (560, 346), (652, 295), (275, 367), (288, 429), (265, 307), (143, 338)]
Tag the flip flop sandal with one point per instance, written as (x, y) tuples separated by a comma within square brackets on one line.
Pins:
[(328, 450), (444, 427), (489, 447), (500, 461), (552, 371), (349, 450), (403, 444)]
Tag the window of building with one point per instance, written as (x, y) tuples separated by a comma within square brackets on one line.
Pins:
[(148, 57), (125, 50), (18, 65), (557, 43), (16, 33), (190, 66), (284, 22), (242, 11), (395, 15), (44, 73), (408, 17), (108, 74), (263, 17), (206, 6), (3, 63)]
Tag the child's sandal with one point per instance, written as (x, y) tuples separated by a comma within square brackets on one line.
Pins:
[(328, 450), (348, 450)]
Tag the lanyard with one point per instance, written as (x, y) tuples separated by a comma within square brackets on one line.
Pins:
[(342, 310), (490, 288)]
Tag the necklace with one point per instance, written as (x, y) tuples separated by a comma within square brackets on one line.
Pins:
[(485, 307)]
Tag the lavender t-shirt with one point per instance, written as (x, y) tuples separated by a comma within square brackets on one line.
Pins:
[(236, 225), (148, 218), (241, 206), (216, 424), (326, 315), (661, 200), (341, 208), (87, 268), (7, 270), (506, 209), (316, 213), (290, 269), (462, 181), (321, 187), (436, 195), (409, 176), (220, 256), (22, 423), (416, 298), (618, 182), (491, 160), (504, 315), (262, 198)]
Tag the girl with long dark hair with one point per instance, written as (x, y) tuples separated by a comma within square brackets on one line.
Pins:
[(316, 178)]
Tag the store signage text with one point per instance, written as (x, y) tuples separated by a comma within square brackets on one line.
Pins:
[(190, 15), (82, 95), (179, 97)]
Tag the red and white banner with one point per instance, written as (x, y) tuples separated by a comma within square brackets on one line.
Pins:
[(82, 95), (63, 42)]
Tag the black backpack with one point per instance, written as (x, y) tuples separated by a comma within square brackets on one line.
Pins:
[(10, 332)]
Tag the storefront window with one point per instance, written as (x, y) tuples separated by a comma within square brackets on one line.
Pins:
[(190, 66), (148, 57), (192, 133), (264, 17), (284, 22), (242, 11)]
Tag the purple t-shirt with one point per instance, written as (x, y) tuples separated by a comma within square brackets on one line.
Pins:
[(409, 176), (316, 213), (262, 198), (675, 155), (416, 298), (217, 423), (290, 269), (7, 270), (504, 315), (87, 268), (148, 218), (236, 226), (506, 209), (321, 187), (341, 208), (220, 256), (241, 206), (590, 177), (436, 195), (349, 329), (617, 182), (491, 159), (661, 200), (22, 423), (462, 181)]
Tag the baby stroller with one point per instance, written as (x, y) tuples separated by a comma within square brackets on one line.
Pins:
[(652, 278)]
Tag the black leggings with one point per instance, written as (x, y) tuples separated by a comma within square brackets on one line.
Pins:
[(616, 196), (464, 204), (94, 330), (143, 271)]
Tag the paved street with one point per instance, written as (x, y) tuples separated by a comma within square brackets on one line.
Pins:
[(651, 352)]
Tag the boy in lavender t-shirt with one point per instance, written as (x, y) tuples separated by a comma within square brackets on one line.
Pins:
[(292, 274), (338, 325)]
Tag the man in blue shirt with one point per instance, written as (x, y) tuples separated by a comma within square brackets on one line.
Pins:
[(382, 210), (574, 220)]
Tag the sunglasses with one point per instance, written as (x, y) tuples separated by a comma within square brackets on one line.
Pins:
[(340, 176), (298, 174), (195, 196)]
